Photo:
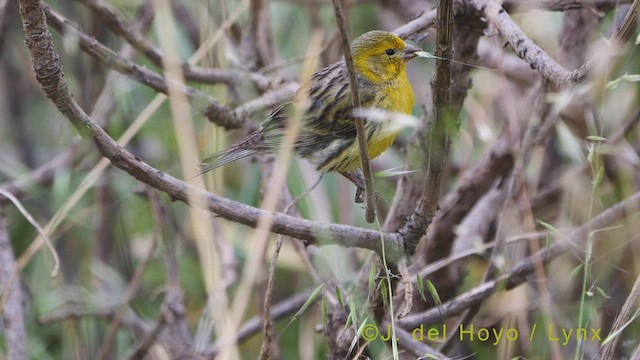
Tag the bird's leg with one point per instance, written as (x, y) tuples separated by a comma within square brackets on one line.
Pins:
[(357, 179)]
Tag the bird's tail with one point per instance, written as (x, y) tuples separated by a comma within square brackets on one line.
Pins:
[(253, 145)]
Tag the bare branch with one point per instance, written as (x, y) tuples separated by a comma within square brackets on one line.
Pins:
[(526, 48), (12, 315), (421, 23), (209, 106), (191, 72), (44, 174), (435, 139)]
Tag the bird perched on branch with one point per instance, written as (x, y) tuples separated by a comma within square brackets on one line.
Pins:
[(327, 136)]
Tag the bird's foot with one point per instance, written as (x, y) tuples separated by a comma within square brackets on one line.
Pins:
[(359, 199), (357, 179)]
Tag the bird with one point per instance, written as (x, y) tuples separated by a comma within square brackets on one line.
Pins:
[(327, 136)]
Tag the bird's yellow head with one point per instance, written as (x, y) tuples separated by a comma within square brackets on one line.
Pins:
[(380, 56)]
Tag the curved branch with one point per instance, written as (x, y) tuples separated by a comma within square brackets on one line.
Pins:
[(209, 106), (426, 20), (116, 22)]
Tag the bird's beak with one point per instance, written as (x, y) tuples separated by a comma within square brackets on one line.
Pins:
[(411, 51)]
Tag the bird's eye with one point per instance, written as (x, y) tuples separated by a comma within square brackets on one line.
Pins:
[(390, 52)]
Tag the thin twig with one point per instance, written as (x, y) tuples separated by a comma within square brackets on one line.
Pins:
[(209, 106), (41, 232), (360, 131), (45, 173), (255, 324), (133, 36), (419, 24), (526, 48)]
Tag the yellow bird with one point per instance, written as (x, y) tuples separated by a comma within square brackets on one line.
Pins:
[(327, 137)]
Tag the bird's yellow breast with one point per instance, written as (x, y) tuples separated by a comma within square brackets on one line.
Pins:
[(395, 98)]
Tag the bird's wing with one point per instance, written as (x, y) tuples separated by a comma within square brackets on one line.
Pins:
[(327, 113)]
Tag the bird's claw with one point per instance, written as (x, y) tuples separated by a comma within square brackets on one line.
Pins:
[(359, 199)]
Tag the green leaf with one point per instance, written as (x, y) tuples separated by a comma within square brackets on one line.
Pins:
[(631, 77), (353, 310), (547, 226), (599, 176), (420, 285), (339, 296), (626, 77), (596, 138), (372, 277), (576, 271), (310, 300), (436, 297), (591, 153), (365, 321), (349, 321), (613, 84), (383, 291), (325, 311), (602, 293)]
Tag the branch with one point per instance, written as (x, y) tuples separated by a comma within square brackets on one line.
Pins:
[(436, 138), (421, 23), (520, 271), (360, 131), (474, 184), (138, 40), (49, 74), (526, 48), (12, 315), (209, 106), (44, 174)]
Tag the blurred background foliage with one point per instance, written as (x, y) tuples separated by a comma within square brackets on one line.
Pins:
[(106, 236)]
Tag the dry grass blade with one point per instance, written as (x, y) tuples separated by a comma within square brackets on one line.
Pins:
[(610, 342), (269, 203), (41, 231)]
